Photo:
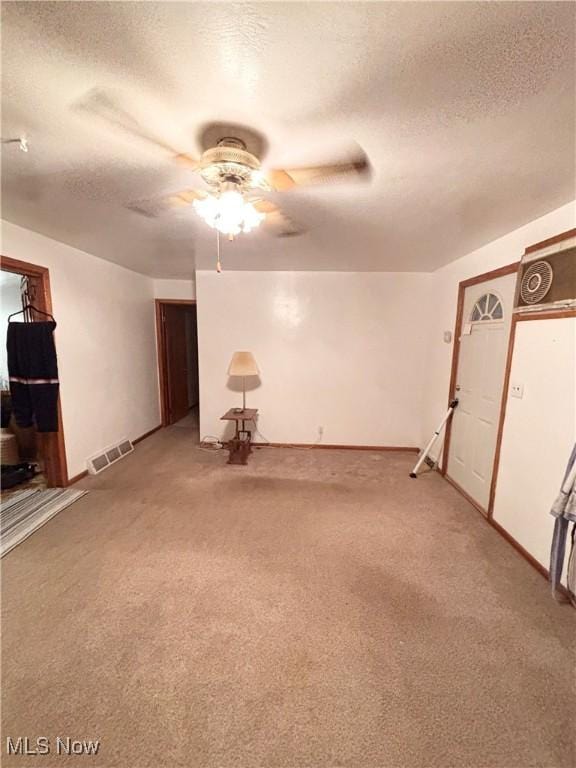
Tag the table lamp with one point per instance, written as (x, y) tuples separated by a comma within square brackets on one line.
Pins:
[(243, 364)]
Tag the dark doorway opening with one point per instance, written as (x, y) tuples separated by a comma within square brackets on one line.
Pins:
[(177, 333)]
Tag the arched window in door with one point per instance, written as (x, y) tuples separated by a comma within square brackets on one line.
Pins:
[(488, 307)]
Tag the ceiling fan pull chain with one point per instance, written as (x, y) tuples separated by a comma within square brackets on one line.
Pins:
[(218, 264)]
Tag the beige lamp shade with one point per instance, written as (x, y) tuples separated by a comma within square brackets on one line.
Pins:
[(243, 364)]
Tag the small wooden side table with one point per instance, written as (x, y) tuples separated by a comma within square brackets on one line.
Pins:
[(240, 446)]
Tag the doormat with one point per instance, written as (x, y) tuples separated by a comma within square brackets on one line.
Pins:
[(23, 513)]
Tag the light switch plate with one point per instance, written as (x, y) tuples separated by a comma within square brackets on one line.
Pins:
[(516, 390)]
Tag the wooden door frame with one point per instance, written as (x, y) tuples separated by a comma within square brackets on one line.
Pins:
[(161, 347), (517, 318), (53, 446), (553, 314), (508, 269)]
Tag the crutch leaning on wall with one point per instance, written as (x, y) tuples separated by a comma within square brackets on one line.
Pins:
[(435, 436)]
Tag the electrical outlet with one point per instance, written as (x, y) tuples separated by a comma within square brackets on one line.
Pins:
[(320, 432), (516, 390)]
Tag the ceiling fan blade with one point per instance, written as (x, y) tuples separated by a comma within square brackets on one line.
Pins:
[(149, 208), (277, 223), (280, 180), (283, 179), (187, 161), (264, 206), (186, 197), (104, 105), (160, 205)]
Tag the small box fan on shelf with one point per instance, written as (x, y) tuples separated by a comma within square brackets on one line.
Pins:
[(547, 277)]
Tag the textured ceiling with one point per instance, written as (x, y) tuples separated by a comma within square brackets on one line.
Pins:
[(466, 111)]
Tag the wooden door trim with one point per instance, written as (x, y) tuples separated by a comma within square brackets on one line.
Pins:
[(484, 277), (53, 445), (161, 348), (550, 241), (517, 318), (183, 302)]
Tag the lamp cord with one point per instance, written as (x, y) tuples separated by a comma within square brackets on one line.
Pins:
[(212, 444), (286, 445), (209, 444)]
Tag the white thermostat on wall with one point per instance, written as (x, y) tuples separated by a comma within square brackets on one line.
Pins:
[(447, 336)]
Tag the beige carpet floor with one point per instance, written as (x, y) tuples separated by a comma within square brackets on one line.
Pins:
[(313, 609)]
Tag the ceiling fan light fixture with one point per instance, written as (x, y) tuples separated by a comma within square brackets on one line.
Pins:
[(252, 218), (229, 213)]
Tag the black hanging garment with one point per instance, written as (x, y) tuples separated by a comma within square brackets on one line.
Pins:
[(33, 374)]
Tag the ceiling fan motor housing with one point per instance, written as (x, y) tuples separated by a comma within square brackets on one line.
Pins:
[(228, 162)]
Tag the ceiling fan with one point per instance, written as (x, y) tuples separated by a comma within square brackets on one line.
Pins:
[(231, 168)]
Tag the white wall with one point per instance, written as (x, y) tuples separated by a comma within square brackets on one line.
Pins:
[(10, 301), (339, 350), (536, 446), (105, 342), (174, 289), (444, 289), (539, 431)]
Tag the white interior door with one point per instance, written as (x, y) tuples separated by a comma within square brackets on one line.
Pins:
[(484, 335)]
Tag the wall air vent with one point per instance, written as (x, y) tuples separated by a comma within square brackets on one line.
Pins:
[(536, 282), (125, 447), (113, 454), (547, 278), (109, 456)]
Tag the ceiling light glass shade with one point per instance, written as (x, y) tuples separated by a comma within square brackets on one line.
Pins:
[(229, 213)]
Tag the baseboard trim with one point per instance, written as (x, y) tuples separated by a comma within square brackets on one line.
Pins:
[(508, 537), (323, 446), (519, 548), (468, 498), (146, 434), (530, 558), (85, 473), (76, 478)]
